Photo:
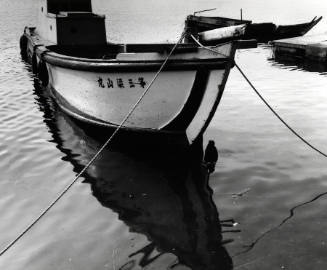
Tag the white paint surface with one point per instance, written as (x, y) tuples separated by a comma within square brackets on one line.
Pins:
[(162, 103), (223, 33)]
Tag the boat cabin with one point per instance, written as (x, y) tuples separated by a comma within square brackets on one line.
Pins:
[(70, 23)]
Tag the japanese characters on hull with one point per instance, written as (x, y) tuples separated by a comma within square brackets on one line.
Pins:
[(121, 83)]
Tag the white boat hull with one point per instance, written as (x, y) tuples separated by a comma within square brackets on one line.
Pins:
[(98, 95), (102, 100), (182, 99)]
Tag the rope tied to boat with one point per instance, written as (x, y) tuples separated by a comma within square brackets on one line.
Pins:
[(64, 191), (264, 100)]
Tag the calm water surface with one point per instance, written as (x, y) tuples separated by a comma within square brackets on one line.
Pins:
[(145, 210)]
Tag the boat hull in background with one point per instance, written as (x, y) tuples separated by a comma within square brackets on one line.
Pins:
[(262, 32)]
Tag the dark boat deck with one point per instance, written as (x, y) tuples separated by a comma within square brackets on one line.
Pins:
[(110, 51), (203, 23)]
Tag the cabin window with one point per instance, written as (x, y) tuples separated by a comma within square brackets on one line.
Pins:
[(41, 9), (51, 27)]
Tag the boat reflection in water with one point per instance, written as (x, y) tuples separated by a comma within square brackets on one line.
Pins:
[(162, 194)]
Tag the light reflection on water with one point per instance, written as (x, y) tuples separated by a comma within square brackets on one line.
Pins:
[(93, 227)]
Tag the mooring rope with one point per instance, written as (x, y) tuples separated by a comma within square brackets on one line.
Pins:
[(62, 193), (264, 101), (279, 117)]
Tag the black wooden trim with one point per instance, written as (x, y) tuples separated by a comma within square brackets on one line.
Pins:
[(185, 117), (220, 93)]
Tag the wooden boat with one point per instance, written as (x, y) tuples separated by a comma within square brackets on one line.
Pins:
[(295, 30), (265, 32), (99, 82), (204, 23), (262, 32)]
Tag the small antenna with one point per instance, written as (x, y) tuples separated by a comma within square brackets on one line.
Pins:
[(204, 10)]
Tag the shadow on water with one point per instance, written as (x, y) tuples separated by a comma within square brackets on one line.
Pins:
[(292, 63), (161, 193)]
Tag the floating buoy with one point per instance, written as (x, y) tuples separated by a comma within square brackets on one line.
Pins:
[(43, 73), (23, 46), (211, 156), (34, 64)]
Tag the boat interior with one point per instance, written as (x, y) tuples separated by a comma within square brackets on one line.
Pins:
[(110, 51)]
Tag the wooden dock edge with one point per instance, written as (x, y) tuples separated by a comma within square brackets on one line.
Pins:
[(310, 47)]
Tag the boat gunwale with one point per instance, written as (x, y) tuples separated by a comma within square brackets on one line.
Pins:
[(114, 65), (204, 19), (44, 52)]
